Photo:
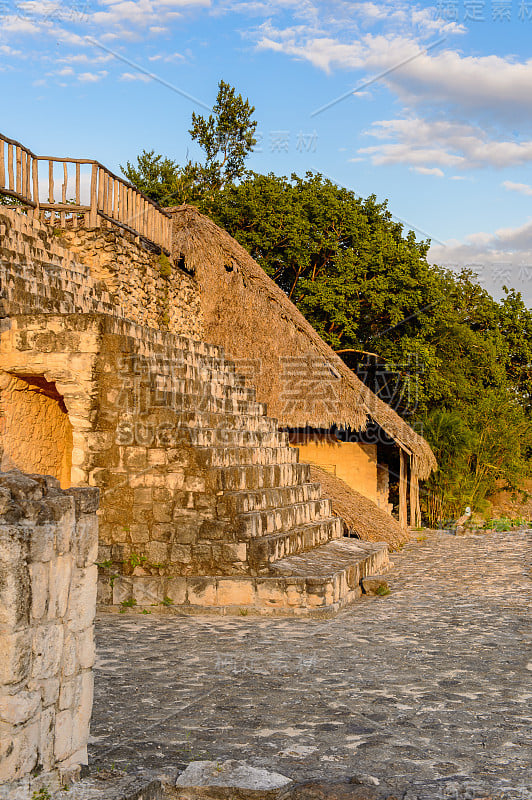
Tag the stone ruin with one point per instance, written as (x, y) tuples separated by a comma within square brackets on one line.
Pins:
[(204, 505), (48, 548), (109, 389)]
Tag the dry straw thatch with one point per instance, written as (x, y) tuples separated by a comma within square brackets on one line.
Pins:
[(246, 312), (360, 514)]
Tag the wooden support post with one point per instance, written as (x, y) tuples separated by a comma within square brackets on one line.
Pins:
[(403, 485), (2, 168), (415, 510), (51, 182), (10, 167), (35, 176), (18, 170), (93, 215)]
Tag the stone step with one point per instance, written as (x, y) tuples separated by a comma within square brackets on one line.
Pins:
[(233, 479), (205, 374), (209, 352), (245, 456), (335, 557), (317, 584), (218, 437), (211, 388), (263, 552), (254, 524), (216, 405), (199, 418), (235, 503)]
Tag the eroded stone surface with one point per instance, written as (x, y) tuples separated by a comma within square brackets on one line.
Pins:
[(429, 689), (228, 779)]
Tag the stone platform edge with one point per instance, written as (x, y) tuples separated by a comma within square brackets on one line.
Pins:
[(314, 596)]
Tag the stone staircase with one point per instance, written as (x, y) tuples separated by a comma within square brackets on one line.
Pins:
[(278, 545)]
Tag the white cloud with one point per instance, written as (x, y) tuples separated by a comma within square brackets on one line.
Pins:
[(438, 173), (486, 85), (503, 258), (5, 50), (133, 16), (522, 188), (167, 57), (92, 77), (84, 58), (135, 76), (438, 143)]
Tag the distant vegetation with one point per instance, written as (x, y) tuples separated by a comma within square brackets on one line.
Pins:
[(463, 359)]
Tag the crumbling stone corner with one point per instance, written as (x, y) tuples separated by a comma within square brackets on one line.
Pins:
[(48, 577)]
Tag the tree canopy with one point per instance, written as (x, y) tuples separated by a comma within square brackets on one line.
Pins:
[(463, 359)]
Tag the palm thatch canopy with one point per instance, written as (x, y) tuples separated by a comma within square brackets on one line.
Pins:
[(360, 514), (302, 380)]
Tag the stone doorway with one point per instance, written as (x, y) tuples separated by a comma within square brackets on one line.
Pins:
[(35, 430)]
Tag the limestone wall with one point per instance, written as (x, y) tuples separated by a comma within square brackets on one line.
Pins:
[(48, 549), (51, 270)]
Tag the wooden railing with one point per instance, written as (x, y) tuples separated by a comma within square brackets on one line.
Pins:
[(77, 192)]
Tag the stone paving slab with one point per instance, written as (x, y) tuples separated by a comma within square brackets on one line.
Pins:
[(428, 689)]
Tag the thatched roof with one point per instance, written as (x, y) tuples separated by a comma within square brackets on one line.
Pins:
[(371, 523), (244, 311)]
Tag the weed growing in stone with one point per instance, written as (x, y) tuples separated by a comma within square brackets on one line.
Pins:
[(135, 560), (165, 267), (127, 604), (167, 601), (382, 591), (41, 794)]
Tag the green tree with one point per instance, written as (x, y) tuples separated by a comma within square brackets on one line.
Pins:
[(226, 136), (364, 283), (162, 179)]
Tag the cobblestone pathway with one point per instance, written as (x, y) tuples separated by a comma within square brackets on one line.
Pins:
[(429, 687)]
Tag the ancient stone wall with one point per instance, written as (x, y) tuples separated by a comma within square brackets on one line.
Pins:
[(105, 271), (48, 576)]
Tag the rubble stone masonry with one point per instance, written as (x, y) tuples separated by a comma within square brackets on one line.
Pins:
[(52, 270)]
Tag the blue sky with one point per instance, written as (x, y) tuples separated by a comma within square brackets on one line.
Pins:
[(432, 111)]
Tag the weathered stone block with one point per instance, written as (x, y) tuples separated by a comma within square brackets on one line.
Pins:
[(122, 590), (39, 573), (176, 589), (271, 592), (82, 599), (86, 540), (162, 513), (60, 574), (163, 531), (202, 591), (64, 725), (47, 645), (147, 591), (236, 592), (18, 750), (16, 656), (139, 533), (234, 551), (42, 543), (157, 552), (19, 708), (180, 554)]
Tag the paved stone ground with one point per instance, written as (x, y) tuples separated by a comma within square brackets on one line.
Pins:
[(429, 688)]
